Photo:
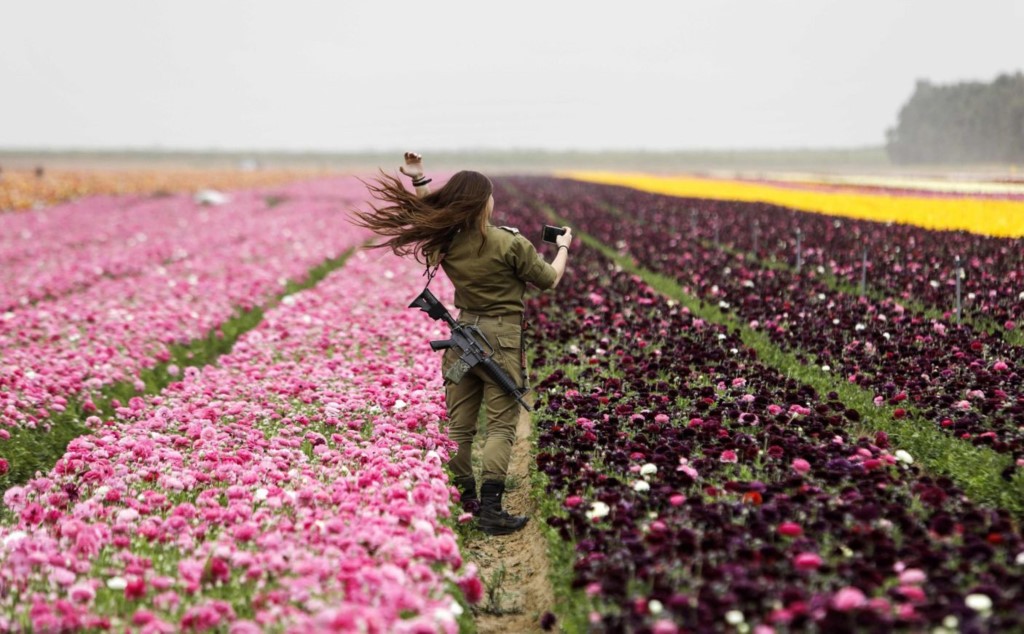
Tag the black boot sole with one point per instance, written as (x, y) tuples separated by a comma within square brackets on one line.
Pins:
[(499, 530)]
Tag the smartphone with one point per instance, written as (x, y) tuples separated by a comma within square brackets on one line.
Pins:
[(550, 233)]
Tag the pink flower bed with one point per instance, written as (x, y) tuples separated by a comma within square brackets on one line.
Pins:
[(197, 267), (298, 485)]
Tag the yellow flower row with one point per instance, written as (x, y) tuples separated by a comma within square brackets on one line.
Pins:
[(1004, 218), (25, 190)]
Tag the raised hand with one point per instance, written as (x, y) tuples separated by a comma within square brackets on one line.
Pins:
[(413, 167)]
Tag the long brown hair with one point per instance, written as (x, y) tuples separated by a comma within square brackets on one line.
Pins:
[(423, 226)]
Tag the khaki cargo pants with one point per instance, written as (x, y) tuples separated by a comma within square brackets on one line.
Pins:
[(477, 388)]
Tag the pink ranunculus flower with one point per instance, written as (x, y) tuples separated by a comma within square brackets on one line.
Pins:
[(801, 466), (848, 598), (913, 576), (807, 561), (728, 456)]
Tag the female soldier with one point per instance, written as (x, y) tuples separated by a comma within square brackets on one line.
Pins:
[(489, 267)]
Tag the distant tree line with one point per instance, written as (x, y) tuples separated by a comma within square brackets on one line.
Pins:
[(968, 122)]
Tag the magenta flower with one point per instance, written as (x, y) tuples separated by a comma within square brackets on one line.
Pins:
[(807, 561), (801, 466)]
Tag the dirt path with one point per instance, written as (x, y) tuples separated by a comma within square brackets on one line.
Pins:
[(514, 568)]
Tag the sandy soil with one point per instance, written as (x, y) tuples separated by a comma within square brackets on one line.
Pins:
[(514, 568)]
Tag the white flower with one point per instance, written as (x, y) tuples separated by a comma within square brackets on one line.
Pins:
[(15, 536), (655, 607), (826, 368), (400, 404), (934, 283), (456, 607), (835, 322), (721, 336), (734, 617), (1020, 558), (904, 457), (978, 602), (951, 622), (598, 510), (261, 494), (641, 486), (120, 583), (887, 336), (859, 327), (723, 304), (648, 469)]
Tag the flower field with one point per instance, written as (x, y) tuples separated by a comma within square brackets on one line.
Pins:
[(731, 435), (296, 485), (23, 189), (963, 379), (999, 215), (702, 488)]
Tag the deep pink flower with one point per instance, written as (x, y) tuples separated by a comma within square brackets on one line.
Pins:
[(801, 466), (472, 589)]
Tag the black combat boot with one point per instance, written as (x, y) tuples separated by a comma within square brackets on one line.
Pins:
[(467, 494), (494, 520)]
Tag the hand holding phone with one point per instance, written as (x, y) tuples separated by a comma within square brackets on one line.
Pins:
[(551, 233)]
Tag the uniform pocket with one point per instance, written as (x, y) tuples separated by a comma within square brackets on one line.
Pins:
[(508, 341)]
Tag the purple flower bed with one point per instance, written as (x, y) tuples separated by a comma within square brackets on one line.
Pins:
[(968, 382), (905, 261), (702, 489)]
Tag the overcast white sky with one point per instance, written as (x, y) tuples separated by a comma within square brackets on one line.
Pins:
[(396, 74)]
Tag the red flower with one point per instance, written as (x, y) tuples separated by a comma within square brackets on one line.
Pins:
[(472, 589), (136, 588)]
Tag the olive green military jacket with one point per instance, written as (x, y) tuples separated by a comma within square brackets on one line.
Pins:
[(490, 276)]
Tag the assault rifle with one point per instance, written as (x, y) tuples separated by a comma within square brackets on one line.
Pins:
[(464, 338)]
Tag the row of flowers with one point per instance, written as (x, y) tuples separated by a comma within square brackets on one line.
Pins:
[(296, 486), (902, 260), (968, 382), (155, 274), (25, 189), (979, 215), (892, 185), (704, 491)]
